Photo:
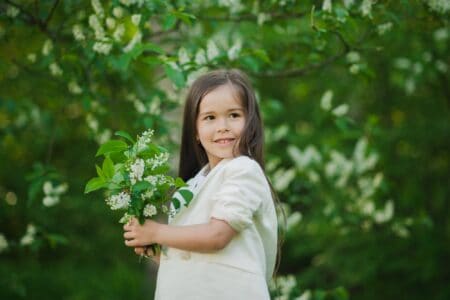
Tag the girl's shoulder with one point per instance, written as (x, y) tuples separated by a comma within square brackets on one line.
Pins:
[(244, 164)]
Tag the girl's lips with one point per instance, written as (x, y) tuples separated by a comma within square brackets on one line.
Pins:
[(224, 141)]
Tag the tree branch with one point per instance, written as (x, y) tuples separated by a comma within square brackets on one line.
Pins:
[(50, 14), (252, 17)]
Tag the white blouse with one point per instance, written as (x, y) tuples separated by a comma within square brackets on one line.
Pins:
[(236, 191)]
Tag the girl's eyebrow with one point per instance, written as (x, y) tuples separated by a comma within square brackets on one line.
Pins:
[(211, 112)]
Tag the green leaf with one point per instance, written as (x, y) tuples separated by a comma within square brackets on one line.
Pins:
[(176, 76), (179, 182), (108, 168), (112, 147), (152, 47), (187, 195), (125, 135), (141, 186), (95, 184), (169, 21), (100, 172)]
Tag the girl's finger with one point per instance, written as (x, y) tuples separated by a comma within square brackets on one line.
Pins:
[(131, 243), (139, 250), (128, 235)]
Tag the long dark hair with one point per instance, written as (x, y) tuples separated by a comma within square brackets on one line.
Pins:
[(251, 143)]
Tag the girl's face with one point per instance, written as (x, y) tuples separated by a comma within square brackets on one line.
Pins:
[(220, 122)]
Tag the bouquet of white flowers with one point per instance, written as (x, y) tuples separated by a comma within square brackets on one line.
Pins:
[(134, 176)]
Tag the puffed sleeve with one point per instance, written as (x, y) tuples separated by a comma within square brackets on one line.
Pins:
[(241, 194)]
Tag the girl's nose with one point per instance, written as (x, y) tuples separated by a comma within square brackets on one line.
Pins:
[(222, 125)]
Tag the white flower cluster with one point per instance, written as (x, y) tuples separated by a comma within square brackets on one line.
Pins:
[(119, 201), (77, 32), (47, 47), (29, 236), (440, 6), (283, 285), (327, 97), (55, 69), (137, 170), (144, 139), (74, 87), (139, 3), (52, 193), (3, 243), (158, 160), (150, 210), (157, 179)]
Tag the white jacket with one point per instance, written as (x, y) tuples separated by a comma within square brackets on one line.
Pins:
[(236, 191)]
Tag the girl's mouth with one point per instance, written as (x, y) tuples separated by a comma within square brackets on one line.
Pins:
[(224, 141)]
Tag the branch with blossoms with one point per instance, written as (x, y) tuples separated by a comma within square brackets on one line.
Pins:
[(134, 175)]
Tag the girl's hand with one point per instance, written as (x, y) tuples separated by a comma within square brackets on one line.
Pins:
[(137, 235), (147, 251)]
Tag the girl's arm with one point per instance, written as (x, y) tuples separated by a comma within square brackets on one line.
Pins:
[(208, 237)]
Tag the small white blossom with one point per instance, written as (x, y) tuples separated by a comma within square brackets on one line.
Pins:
[(102, 47), (348, 3), (327, 5), (440, 6), (77, 32), (233, 52), (440, 34), (28, 238), (211, 50), (353, 57), (74, 88), (31, 57), (12, 11), (441, 66), (126, 2), (119, 201), (383, 28), (325, 101), (150, 210), (282, 178), (119, 32), (366, 7), (340, 110), (183, 57), (55, 69), (158, 160), (144, 139), (136, 19), (48, 46), (98, 28), (386, 214), (3, 243), (103, 136), (354, 69), (110, 23), (148, 194), (137, 170), (47, 187), (98, 8), (117, 12), (50, 200), (200, 57), (92, 122)]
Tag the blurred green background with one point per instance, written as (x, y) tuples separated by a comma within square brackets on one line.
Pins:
[(355, 99)]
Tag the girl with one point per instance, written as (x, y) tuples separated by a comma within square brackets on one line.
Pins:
[(224, 244)]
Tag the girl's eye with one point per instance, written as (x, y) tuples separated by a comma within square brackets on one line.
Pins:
[(234, 115), (209, 117)]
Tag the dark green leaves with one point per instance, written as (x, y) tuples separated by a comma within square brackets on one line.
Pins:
[(112, 147)]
